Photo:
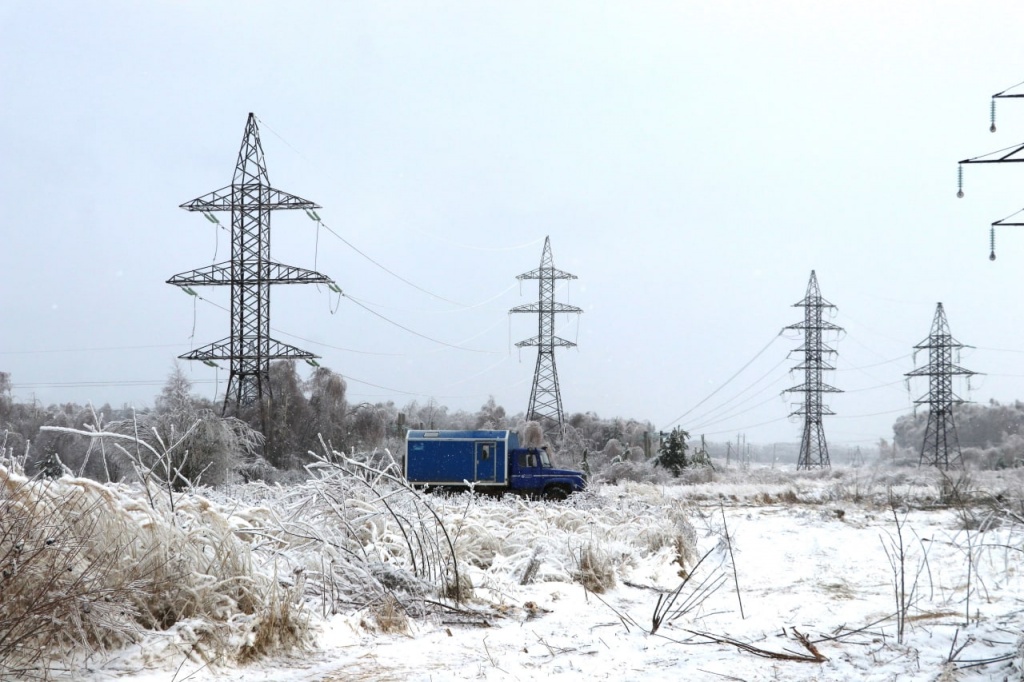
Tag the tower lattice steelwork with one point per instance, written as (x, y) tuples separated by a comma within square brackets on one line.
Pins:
[(941, 448), (813, 446), (545, 398), (249, 273)]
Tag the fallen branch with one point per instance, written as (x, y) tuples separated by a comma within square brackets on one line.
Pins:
[(815, 656)]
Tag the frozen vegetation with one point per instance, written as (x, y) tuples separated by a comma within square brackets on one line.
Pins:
[(739, 574)]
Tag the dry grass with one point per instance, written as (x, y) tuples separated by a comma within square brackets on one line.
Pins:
[(595, 570), (88, 568), (389, 615)]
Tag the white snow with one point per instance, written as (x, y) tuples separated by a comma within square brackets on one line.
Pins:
[(812, 557)]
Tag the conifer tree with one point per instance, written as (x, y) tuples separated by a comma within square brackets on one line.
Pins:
[(673, 452)]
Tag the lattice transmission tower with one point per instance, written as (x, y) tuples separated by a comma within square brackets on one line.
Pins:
[(813, 446), (941, 448), (545, 397), (1012, 154), (250, 274)]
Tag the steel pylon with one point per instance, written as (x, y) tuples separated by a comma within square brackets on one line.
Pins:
[(813, 446), (941, 448), (250, 274), (1012, 154), (545, 397)]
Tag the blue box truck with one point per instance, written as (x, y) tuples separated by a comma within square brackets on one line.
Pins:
[(490, 460)]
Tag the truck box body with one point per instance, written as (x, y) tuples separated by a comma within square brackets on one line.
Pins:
[(490, 460), (453, 457)]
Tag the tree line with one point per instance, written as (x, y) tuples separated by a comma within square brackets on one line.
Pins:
[(304, 416)]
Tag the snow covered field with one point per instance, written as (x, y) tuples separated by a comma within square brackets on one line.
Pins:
[(803, 578)]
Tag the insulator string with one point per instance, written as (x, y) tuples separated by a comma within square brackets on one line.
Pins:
[(992, 243), (992, 117), (960, 181)]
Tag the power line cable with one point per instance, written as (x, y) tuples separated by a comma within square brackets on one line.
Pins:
[(389, 271), (697, 428), (727, 381), (747, 428), (89, 350), (412, 331), (728, 403)]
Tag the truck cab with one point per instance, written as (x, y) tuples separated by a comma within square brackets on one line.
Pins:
[(531, 472)]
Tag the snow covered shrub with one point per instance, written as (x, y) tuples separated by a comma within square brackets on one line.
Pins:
[(360, 533), (88, 567), (636, 472), (61, 585)]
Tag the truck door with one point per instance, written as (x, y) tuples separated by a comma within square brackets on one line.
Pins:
[(485, 461)]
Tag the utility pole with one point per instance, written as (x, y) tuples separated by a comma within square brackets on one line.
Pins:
[(249, 273), (813, 447), (545, 399), (941, 448)]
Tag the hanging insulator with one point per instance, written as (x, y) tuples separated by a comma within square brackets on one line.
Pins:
[(212, 218), (992, 117), (190, 291), (316, 216), (960, 181), (210, 363), (312, 362), (335, 288), (992, 243)]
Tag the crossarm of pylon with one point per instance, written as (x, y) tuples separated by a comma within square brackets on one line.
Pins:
[(220, 273), (546, 273), (802, 410), (289, 274), (821, 364), (805, 388), (939, 371), (221, 350), (556, 342), (929, 399), (553, 307), (821, 326), (1012, 219), (1008, 157), (272, 199), (824, 348)]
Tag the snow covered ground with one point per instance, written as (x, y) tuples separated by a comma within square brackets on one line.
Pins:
[(806, 592)]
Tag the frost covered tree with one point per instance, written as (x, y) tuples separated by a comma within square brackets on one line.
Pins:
[(673, 452), (290, 427), (491, 416), (368, 426), (196, 445), (328, 408)]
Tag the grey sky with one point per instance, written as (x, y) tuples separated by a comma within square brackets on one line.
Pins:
[(692, 163)]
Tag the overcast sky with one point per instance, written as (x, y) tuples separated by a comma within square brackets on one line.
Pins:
[(692, 162)]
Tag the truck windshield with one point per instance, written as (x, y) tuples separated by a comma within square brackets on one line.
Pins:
[(545, 461)]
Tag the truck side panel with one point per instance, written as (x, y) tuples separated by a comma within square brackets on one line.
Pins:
[(441, 461), (449, 458)]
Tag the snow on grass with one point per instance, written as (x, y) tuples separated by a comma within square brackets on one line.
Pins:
[(400, 585)]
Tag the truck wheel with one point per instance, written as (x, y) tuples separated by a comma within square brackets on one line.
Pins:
[(556, 492)]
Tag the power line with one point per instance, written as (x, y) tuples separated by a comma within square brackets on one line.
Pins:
[(387, 270), (88, 350), (412, 331), (727, 382), (728, 403), (697, 428)]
